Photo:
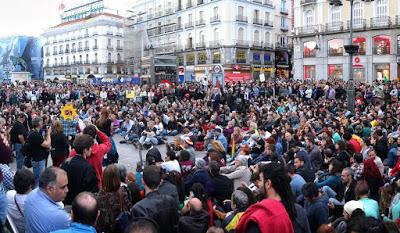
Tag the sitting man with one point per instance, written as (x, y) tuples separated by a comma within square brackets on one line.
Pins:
[(43, 210)]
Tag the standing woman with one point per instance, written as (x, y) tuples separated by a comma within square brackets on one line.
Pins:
[(104, 124), (59, 144)]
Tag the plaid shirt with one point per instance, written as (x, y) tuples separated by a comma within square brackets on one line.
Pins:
[(8, 176), (69, 127), (358, 170)]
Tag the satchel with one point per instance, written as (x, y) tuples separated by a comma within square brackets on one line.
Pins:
[(124, 217)]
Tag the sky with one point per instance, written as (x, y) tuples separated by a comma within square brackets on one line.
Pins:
[(33, 17)]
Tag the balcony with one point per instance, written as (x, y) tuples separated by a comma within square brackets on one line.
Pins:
[(189, 47), (199, 2), (47, 54), (120, 62), (242, 43), (179, 8), (284, 11), (119, 48), (310, 29), (241, 18), (257, 21), (257, 44), (268, 46), (86, 62), (200, 22), (257, 1), (80, 49), (279, 45), (269, 3), (306, 2), (87, 49), (110, 62), (334, 27), (268, 23), (73, 50), (55, 53), (397, 21), (95, 34), (380, 22), (79, 37), (188, 5), (86, 35), (215, 19), (179, 27), (119, 34), (189, 25), (95, 47), (200, 45), (214, 44), (67, 51), (159, 14), (358, 24), (169, 11), (285, 28), (110, 33), (110, 48), (61, 52), (170, 28)]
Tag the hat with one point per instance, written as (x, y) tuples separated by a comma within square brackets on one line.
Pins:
[(350, 206), (188, 141), (200, 163)]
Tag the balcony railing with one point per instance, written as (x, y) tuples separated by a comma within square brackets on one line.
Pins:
[(397, 21), (169, 11), (61, 52), (242, 43), (73, 50), (268, 3), (95, 33), (200, 22), (358, 24), (241, 18), (285, 27), (304, 2), (189, 47), (215, 19), (379, 22), (257, 44), (109, 47), (279, 45), (86, 35), (95, 47), (334, 27), (87, 49), (257, 21), (284, 10), (214, 44), (199, 2), (268, 23), (119, 48), (188, 5), (80, 49), (66, 51), (47, 54), (110, 62), (189, 25), (268, 45), (179, 27), (110, 33), (200, 45), (119, 34), (55, 53), (310, 29), (257, 1)]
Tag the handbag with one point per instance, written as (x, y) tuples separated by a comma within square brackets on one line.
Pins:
[(124, 217)]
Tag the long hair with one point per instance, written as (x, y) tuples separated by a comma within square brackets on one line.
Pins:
[(104, 114), (275, 172), (56, 128), (371, 170), (111, 181)]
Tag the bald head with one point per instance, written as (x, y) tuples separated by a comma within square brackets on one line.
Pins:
[(195, 205), (84, 209)]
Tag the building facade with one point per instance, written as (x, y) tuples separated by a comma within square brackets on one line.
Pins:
[(246, 39), (89, 43), (322, 30)]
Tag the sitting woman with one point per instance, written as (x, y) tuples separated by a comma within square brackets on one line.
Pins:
[(330, 182)]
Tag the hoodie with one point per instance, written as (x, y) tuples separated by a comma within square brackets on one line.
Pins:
[(98, 152), (194, 223)]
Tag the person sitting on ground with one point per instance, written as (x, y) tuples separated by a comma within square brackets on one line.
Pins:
[(219, 187), (239, 173), (370, 206), (316, 206), (84, 214), (239, 204), (199, 175), (196, 221)]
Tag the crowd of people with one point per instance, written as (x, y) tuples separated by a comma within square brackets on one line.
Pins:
[(277, 156)]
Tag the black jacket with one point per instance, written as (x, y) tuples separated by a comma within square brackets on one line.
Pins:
[(349, 195), (307, 174), (160, 208), (220, 187), (194, 223), (81, 177)]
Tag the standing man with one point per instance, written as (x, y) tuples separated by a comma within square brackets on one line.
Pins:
[(84, 214), (18, 136), (39, 147), (43, 211)]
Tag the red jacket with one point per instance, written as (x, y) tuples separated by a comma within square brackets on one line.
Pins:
[(270, 216), (98, 152)]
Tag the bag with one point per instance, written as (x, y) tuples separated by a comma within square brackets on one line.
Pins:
[(123, 219)]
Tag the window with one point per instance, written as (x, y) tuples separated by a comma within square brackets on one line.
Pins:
[(80, 58), (267, 38), (95, 57), (67, 62), (118, 44), (256, 14), (55, 50), (240, 11), (216, 57), (309, 72), (109, 57), (119, 57), (336, 14), (381, 8), (87, 58), (47, 61), (361, 42), (80, 45), (240, 34), (398, 47), (86, 44), (55, 61), (309, 18), (309, 49), (358, 14), (216, 34), (382, 72), (95, 43), (335, 47), (109, 43), (190, 20), (335, 71), (201, 15), (215, 12), (284, 22), (256, 37), (201, 37), (381, 45), (73, 59), (61, 61)]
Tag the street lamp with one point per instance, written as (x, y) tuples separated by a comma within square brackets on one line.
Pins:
[(351, 50)]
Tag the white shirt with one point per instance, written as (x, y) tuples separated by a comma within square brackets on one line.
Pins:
[(13, 210), (171, 166)]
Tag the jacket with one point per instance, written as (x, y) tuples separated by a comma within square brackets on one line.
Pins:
[(98, 152), (219, 187), (81, 177), (269, 215), (347, 195), (194, 222), (77, 228), (238, 175), (199, 176), (160, 208)]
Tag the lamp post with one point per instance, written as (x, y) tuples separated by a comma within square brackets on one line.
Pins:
[(351, 50)]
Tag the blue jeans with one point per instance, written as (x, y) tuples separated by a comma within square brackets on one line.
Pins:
[(38, 168), (19, 156), (152, 140)]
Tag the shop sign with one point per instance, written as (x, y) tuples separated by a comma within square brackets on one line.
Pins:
[(235, 67), (201, 68), (216, 57), (240, 56), (190, 59), (181, 71), (357, 62), (217, 69), (180, 60), (201, 58)]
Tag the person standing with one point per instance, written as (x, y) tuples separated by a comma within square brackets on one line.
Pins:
[(39, 147), (59, 144), (18, 136)]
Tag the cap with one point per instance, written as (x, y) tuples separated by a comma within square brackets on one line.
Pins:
[(350, 206)]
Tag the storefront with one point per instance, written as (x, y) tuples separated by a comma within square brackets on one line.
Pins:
[(282, 64), (256, 65), (189, 74), (309, 72), (202, 72), (264, 73), (335, 71), (382, 72), (237, 73)]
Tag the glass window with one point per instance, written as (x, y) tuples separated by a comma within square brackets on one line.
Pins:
[(309, 49), (256, 58), (309, 72), (282, 57), (358, 12), (381, 8), (309, 18), (382, 45), (335, 71), (398, 45), (382, 72), (361, 42), (335, 47), (359, 74), (216, 57), (336, 14), (241, 56)]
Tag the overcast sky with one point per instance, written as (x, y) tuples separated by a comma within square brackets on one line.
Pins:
[(32, 17)]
